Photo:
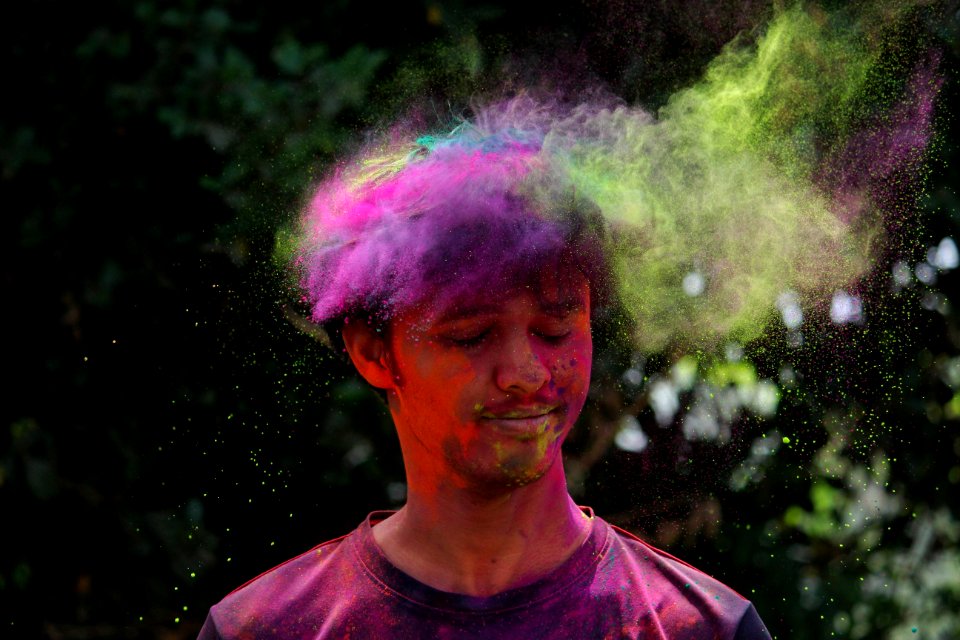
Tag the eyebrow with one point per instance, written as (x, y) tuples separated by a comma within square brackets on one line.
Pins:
[(555, 308), (457, 312), (561, 308)]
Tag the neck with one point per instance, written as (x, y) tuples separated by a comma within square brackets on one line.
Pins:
[(464, 541)]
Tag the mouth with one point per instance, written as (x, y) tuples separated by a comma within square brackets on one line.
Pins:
[(526, 423), (519, 413)]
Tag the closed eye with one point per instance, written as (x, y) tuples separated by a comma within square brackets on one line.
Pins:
[(553, 337), (471, 339)]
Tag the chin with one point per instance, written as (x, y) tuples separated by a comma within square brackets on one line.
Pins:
[(509, 471)]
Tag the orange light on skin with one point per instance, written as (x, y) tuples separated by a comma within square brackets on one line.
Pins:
[(484, 394), (484, 391)]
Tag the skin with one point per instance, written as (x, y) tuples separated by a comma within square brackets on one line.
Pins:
[(483, 393)]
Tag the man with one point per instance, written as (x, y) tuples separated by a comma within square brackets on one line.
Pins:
[(463, 276)]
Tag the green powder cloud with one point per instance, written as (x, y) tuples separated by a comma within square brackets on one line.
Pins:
[(731, 195), (776, 175)]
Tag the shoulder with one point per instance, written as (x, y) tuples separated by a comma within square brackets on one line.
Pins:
[(656, 565), (681, 597), (263, 605)]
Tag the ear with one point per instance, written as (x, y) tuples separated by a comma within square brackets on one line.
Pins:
[(369, 353)]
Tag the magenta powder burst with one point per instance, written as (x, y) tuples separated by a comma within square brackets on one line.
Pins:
[(777, 174), (392, 229)]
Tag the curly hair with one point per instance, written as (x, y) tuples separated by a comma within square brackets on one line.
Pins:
[(482, 208)]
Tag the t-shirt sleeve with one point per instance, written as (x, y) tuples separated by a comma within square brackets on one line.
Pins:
[(209, 630), (751, 627)]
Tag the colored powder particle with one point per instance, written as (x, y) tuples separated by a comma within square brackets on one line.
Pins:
[(768, 176), (743, 187)]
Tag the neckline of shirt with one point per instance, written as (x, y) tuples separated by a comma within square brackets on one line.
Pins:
[(379, 569)]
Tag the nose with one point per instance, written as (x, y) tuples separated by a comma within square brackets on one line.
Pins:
[(520, 368)]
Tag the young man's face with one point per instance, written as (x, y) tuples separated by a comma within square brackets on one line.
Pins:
[(487, 388)]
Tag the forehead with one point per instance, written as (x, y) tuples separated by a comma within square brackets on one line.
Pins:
[(548, 294)]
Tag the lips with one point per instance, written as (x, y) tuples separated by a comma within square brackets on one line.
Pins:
[(519, 413), (523, 423)]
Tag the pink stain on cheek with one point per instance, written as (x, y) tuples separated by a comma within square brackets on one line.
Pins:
[(569, 380)]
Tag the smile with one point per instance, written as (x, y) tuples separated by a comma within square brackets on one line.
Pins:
[(533, 411), (527, 423)]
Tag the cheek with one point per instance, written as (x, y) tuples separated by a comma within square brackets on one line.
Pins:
[(442, 377), (571, 369)]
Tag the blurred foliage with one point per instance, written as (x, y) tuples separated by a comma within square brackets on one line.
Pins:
[(170, 429)]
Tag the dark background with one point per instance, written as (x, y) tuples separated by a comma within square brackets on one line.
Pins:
[(169, 431)]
